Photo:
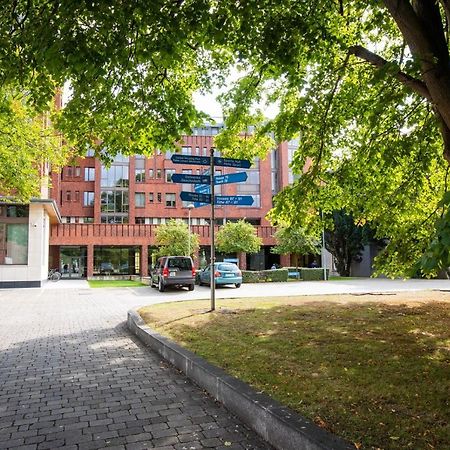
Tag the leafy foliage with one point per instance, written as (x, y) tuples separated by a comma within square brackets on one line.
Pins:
[(236, 237), (173, 237), (28, 142), (375, 125), (346, 240), (295, 240)]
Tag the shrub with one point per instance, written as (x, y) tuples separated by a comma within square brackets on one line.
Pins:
[(312, 274), (251, 276)]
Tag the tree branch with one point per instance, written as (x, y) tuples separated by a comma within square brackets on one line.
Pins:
[(416, 85)]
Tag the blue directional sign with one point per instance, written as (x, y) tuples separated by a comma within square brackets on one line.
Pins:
[(195, 197), (230, 162), (230, 178), (243, 200), (190, 160), (202, 189), (190, 179)]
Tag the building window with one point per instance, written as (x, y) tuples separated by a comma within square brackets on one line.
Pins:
[(169, 173), (158, 174), (78, 171), (115, 176), (139, 199), (159, 197), (77, 196), (151, 197), (139, 220), (69, 172), (89, 173), (88, 199), (185, 150), (139, 175), (13, 234), (151, 173), (170, 200), (88, 220), (68, 196)]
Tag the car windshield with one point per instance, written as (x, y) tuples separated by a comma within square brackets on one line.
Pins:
[(180, 263), (228, 267)]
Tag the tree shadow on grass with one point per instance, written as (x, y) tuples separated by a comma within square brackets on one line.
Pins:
[(376, 374)]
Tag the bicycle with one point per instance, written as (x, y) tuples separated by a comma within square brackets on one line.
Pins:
[(54, 275)]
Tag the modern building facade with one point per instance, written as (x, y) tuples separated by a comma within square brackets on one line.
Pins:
[(110, 214)]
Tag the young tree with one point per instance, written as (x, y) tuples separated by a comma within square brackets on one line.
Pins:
[(296, 241), (238, 237), (175, 238), (346, 240)]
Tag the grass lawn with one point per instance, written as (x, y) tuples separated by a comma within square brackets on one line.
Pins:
[(114, 283), (373, 369)]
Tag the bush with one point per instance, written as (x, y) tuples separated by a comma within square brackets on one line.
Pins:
[(312, 274), (251, 276)]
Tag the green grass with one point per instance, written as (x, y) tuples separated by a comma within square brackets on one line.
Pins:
[(114, 283), (377, 374), (335, 278)]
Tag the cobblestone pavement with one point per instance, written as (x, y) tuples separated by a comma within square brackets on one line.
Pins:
[(72, 376)]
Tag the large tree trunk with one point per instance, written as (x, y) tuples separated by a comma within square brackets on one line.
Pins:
[(421, 24)]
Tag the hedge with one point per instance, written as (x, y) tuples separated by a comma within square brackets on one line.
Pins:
[(261, 276), (312, 274)]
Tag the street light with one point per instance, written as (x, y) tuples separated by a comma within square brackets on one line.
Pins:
[(190, 207)]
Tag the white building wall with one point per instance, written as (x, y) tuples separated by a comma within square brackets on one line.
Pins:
[(38, 243)]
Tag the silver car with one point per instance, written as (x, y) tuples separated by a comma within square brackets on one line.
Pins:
[(176, 271)]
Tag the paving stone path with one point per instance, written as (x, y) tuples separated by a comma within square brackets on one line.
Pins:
[(72, 376)]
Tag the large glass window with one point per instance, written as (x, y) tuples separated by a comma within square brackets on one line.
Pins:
[(115, 176), (116, 260), (114, 201), (13, 234), (251, 187)]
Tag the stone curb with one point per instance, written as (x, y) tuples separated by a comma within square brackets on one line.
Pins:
[(275, 423)]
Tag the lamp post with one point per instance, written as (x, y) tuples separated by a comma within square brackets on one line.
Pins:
[(190, 207)]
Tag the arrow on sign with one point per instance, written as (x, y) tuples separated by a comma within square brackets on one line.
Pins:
[(193, 160), (230, 162), (195, 197), (245, 200), (190, 179), (229, 178)]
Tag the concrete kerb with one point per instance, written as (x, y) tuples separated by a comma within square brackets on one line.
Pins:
[(275, 423)]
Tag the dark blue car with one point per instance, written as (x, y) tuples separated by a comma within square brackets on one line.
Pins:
[(224, 273)]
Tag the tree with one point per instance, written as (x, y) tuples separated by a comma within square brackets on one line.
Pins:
[(28, 142), (296, 241), (365, 84), (238, 237), (346, 240), (174, 238)]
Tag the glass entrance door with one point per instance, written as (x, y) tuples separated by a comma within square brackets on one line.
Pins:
[(73, 262)]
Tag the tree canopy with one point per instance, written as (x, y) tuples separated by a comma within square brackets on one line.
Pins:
[(175, 238), (237, 237), (295, 240), (366, 86), (28, 143)]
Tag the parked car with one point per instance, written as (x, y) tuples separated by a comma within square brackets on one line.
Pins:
[(176, 271), (106, 268), (224, 273)]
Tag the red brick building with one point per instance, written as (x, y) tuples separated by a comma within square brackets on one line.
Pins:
[(110, 214)]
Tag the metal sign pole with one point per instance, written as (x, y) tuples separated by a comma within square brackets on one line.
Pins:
[(212, 225)]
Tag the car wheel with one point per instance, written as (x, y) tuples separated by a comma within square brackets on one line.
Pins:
[(238, 285), (191, 287), (161, 286)]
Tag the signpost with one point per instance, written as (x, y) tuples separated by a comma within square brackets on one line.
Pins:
[(204, 192)]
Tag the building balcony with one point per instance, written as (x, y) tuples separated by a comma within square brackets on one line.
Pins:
[(127, 234)]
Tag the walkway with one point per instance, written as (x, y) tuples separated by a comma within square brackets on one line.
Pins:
[(72, 376)]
